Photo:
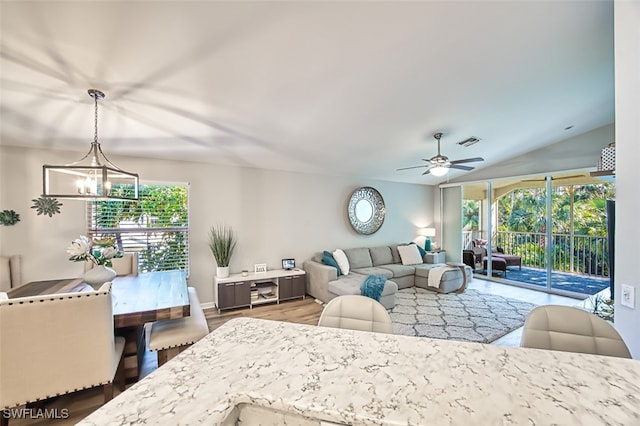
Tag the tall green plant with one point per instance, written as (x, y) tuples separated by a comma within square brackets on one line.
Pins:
[(222, 242)]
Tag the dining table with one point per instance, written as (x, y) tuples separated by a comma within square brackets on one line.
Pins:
[(136, 299)]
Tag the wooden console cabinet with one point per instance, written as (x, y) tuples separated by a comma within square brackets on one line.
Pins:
[(237, 291)]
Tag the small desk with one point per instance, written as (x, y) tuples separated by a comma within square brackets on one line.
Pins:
[(136, 300)]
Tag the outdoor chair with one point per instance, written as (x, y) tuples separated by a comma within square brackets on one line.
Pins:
[(569, 329), (470, 259)]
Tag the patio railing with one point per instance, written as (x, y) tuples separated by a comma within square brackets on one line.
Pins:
[(582, 254)]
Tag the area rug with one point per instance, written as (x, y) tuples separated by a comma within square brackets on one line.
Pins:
[(471, 316)]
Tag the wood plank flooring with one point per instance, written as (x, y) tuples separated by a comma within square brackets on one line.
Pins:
[(307, 311)]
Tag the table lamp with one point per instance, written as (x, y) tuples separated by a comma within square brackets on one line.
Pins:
[(427, 233)]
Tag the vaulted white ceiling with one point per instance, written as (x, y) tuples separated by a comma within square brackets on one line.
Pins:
[(347, 88)]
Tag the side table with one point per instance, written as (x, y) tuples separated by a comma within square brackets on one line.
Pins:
[(435, 257)]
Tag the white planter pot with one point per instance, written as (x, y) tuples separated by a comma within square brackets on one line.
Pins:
[(99, 275), (222, 271)]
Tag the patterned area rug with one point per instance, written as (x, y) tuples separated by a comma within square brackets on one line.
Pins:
[(471, 316)]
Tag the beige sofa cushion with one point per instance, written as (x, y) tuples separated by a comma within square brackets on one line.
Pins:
[(381, 255), (359, 258), (395, 254), (400, 270), (374, 271)]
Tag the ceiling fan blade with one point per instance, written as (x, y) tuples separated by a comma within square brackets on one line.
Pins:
[(455, 166), (467, 160), (427, 172), (414, 167)]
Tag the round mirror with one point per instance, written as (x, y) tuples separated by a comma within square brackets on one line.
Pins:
[(366, 210)]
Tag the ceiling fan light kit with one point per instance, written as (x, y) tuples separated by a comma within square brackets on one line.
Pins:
[(438, 171), (93, 176), (439, 164)]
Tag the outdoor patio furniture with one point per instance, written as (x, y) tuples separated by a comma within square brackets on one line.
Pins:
[(470, 259), (511, 259), (497, 264)]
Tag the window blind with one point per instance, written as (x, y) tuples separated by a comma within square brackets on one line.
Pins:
[(156, 226)]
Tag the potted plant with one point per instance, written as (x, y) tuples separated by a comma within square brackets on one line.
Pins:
[(222, 242)]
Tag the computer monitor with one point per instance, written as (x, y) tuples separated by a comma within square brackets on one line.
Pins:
[(288, 264)]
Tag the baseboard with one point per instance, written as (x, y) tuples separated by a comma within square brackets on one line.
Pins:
[(208, 305)]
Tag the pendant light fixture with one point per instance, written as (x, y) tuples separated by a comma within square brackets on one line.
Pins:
[(93, 176)]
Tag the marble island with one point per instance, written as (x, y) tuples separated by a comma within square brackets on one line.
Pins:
[(278, 372)]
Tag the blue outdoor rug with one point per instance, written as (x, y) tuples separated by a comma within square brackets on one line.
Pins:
[(560, 280)]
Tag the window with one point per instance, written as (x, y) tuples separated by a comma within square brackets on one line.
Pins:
[(156, 226)]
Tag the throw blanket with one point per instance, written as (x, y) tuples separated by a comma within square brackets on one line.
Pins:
[(372, 286), (435, 275)]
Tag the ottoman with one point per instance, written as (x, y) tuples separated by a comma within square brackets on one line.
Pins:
[(451, 280), (497, 264)]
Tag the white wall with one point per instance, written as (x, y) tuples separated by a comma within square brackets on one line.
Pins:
[(627, 65), (275, 214)]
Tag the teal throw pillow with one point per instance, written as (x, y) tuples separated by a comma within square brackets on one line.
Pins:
[(327, 259)]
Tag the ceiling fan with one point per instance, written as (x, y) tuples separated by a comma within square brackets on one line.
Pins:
[(439, 165)]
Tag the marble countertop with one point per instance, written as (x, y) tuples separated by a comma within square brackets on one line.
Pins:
[(361, 378)]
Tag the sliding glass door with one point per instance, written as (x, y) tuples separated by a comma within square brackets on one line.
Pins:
[(545, 232)]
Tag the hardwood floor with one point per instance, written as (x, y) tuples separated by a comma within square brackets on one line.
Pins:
[(307, 311)]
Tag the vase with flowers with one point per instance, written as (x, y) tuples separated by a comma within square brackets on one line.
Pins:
[(100, 252)]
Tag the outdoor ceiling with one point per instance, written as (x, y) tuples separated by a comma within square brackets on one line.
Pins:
[(500, 187), (341, 88)]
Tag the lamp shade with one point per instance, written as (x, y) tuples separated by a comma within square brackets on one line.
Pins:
[(428, 232)]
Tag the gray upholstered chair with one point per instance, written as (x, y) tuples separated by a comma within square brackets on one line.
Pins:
[(57, 344), (565, 328), (356, 313), (125, 265), (10, 272)]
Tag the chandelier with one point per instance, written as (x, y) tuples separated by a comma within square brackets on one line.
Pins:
[(93, 176)]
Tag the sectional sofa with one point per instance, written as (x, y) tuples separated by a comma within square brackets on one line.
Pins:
[(324, 284)]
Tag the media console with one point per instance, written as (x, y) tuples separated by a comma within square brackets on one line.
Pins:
[(236, 290)]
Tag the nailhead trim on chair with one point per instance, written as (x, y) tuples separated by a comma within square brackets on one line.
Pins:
[(51, 299), (56, 395)]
